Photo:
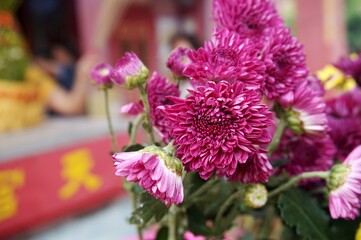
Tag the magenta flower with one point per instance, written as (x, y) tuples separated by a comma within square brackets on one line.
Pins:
[(190, 236), (158, 89), (315, 85), (129, 71), (101, 75), (351, 67), (249, 18), (155, 170), (256, 169), (306, 112), (285, 63), (178, 60), (304, 153), (344, 117), (133, 108), (226, 57), (218, 126), (344, 183)]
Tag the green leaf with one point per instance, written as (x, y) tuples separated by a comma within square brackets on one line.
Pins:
[(149, 207), (132, 148), (130, 126), (162, 233), (301, 211)]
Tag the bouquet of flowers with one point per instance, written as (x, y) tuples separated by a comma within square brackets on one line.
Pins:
[(255, 151)]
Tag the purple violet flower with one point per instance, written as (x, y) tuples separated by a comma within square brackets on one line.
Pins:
[(178, 60), (217, 127), (344, 117), (285, 63), (101, 75), (351, 66), (129, 71), (249, 18), (158, 89), (257, 169), (226, 57), (304, 153)]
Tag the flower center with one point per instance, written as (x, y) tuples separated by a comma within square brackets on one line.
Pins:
[(282, 62), (212, 125), (225, 56)]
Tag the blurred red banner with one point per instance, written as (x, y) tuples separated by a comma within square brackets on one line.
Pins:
[(38, 189)]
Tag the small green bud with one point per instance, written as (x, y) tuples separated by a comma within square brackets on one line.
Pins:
[(256, 195)]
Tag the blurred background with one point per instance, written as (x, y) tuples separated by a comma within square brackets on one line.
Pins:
[(56, 175)]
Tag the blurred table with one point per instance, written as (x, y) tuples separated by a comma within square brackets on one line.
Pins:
[(57, 169)]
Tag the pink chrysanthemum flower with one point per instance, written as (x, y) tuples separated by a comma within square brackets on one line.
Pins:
[(178, 60), (344, 184), (285, 63), (305, 111), (218, 126), (249, 18), (101, 75), (129, 71), (155, 170), (226, 57), (158, 89), (190, 236), (344, 117), (257, 169), (304, 153)]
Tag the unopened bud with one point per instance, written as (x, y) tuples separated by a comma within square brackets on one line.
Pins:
[(256, 195)]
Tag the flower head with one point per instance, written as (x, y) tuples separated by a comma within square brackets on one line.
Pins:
[(305, 111), (351, 66), (129, 71), (285, 63), (133, 108), (178, 60), (158, 89), (344, 184), (101, 75), (256, 169), (344, 117), (226, 57), (250, 18), (155, 170), (218, 126), (304, 153)]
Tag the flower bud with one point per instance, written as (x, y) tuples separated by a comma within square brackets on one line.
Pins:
[(255, 195), (130, 71), (178, 61), (100, 75)]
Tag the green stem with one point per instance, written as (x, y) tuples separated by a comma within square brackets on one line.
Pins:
[(135, 126), (282, 125), (296, 179), (172, 223), (110, 125), (200, 191), (227, 203), (134, 206), (266, 223), (148, 122)]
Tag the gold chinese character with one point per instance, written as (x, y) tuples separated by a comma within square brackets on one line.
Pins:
[(10, 180), (76, 170)]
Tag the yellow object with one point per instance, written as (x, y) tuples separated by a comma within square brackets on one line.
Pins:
[(358, 233), (23, 104), (10, 180), (334, 78), (76, 169)]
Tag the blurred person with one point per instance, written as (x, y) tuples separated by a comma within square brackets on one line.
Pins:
[(61, 64), (185, 40)]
